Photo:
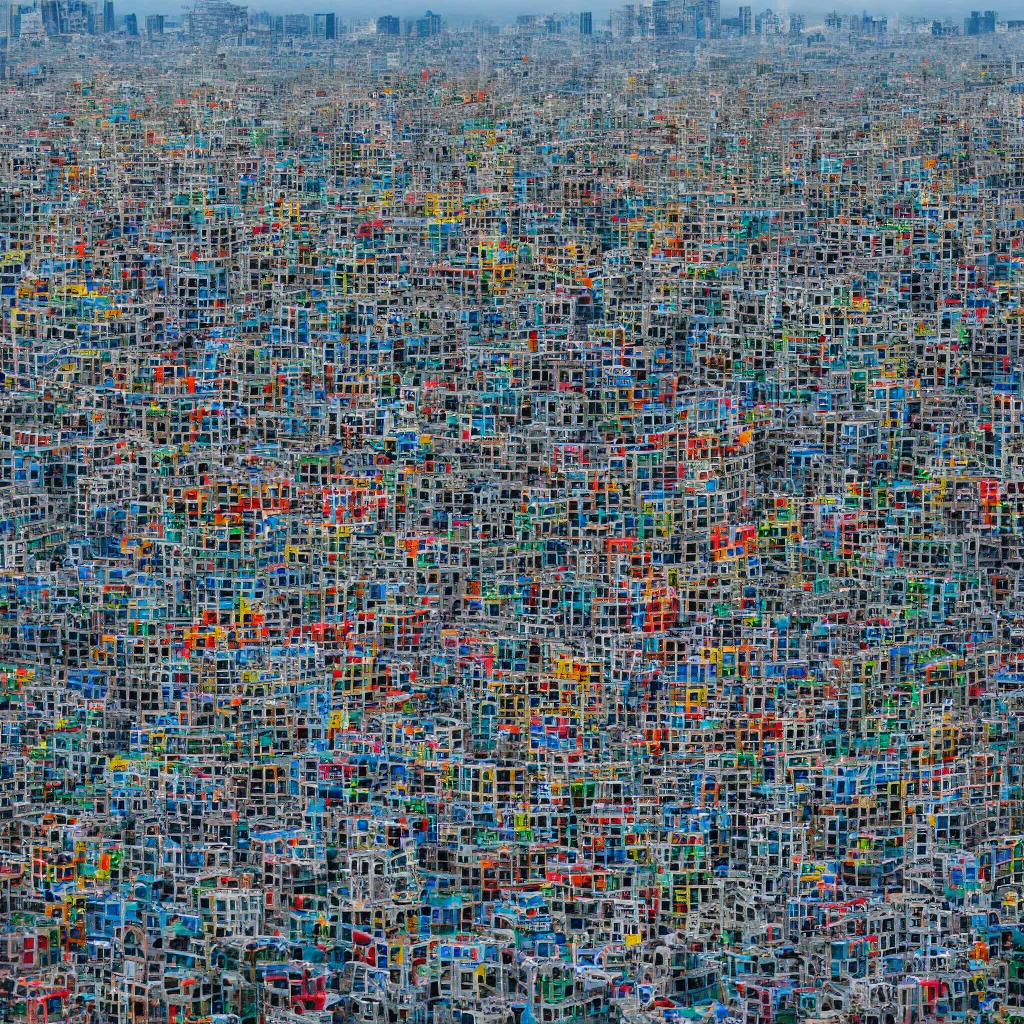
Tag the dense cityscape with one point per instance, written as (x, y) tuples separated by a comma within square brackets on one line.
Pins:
[(511, 522)]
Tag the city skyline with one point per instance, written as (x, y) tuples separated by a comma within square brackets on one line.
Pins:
[(458, 14)]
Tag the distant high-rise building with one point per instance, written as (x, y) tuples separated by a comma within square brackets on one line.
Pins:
[(217, 19), (79, 17), (296, 25), (154, 26), (628, 22), (325, 26), (31, 24), (692, 19), (767, 23), (694, 25), (131, 24), (796, 24), (586, 23), (866, 25), (50, 11), (388, 25), (428, 26), (67, 17), (746, 21), (713, 18), (661, 17), (108, 16), (980, 24)]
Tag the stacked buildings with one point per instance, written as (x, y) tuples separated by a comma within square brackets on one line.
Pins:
[(511, 527)]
